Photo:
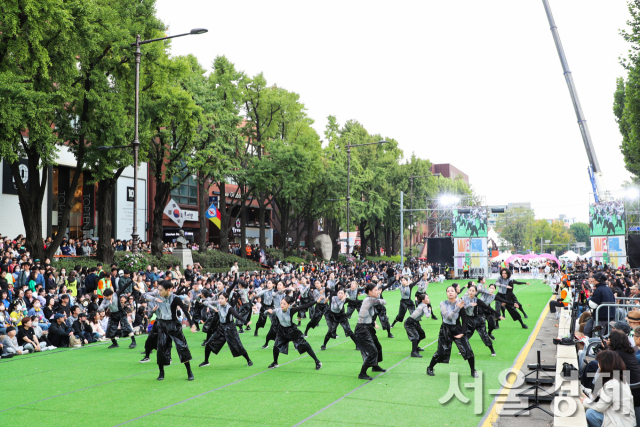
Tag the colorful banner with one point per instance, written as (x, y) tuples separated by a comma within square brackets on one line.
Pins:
[(474, 253), (609, 250), (607, 219), (213, 214), (470, 222)]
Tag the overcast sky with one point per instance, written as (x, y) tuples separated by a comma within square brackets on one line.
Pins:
[(475, 84)]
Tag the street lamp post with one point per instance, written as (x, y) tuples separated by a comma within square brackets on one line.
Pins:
[(136, 141), (349, 146)]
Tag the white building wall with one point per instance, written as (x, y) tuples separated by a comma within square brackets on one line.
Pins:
[(12, 224)]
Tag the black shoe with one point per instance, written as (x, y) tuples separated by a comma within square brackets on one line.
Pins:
[(323, 348), (525, 316), (114, 345), (415, 354), (420, 348), (390, 336), (475, 374), (497, 327), (492, 337), (133, 345), (265, 346), (161, 376), (305, 336), (190, 377), (145, 360), (525, 327), (430, 372), (273, 365), (248, 328), (203, 364), (143, 352), (255, 334), (318, 366), (378, 369), (241, 331), (433, 316), (364, 377), (249, 363)]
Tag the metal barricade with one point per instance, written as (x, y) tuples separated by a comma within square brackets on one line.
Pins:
[(609, 305)]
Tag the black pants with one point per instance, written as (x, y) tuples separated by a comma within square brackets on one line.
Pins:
[(152, 340), (118, 318), (368, 343), (553, 305), (335, 320), (168, 332), (478, 324), (262, 318), (466, 274), (445, 340), (405, 304)]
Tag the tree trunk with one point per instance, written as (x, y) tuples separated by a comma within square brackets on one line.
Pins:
[(262, 207), (243, 229), (363, 238), (309, 240), (105, 213), (224, 217), (394, 246), (203, 205), (377, 238), (387, 239)]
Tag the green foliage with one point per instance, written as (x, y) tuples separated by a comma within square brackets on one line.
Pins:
[(294, 260), (217, 259), (516, 227), (276, 254), (580, 233), (393, 258), (121, 259)]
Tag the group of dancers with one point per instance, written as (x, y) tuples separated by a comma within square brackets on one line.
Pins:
[(225, 314)]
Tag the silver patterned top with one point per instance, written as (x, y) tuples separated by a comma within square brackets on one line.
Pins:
[(449, 311), (365, 315)]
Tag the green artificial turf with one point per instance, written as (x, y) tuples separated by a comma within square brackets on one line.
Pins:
[(100, 387)]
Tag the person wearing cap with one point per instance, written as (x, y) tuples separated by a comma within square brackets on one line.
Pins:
[(59, 332), (82, 329), (602, 294)]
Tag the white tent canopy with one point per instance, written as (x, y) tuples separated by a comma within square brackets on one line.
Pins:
[(585, 256), (503, 256), (570, 255)]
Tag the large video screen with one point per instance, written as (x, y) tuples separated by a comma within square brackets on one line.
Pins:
[(607, 219), (470, 222)]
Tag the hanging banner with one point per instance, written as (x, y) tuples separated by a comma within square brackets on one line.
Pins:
[(173, 211), (474, 253), (609, 250), (213, 215)]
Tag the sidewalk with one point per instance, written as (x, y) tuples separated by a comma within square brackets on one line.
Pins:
[(535, 417)]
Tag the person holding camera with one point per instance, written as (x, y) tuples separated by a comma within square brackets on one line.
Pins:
[(602, 294)]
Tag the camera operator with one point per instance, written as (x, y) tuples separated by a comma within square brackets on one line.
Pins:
[(602, 294)]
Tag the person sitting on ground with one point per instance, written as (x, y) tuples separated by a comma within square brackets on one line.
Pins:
[(59, 332), (82, 330), (10, 345), (27, 338)]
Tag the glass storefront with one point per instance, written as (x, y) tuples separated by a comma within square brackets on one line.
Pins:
[(82, 219)]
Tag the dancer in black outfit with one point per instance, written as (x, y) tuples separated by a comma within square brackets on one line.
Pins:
[(273, 330), (452, 331), (380, 311), (267, 304), (241, 300), (170, 328), (320, 298), (504, 284), (415, 333), (423, 285), (366, 338), (406, 303), (289, 332), (305, 298), (352, 294), (337, 316), (118, 316), (227, 332), (475, 310)]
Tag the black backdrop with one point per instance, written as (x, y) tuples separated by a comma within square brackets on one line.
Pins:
[(633, 250), (440, 250)]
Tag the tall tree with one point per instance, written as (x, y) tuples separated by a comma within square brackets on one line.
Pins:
[(580, 233), (40, 45), (516, 226), (173, 119)]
